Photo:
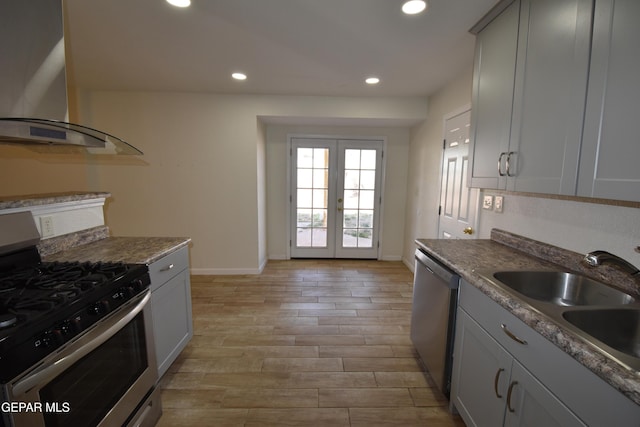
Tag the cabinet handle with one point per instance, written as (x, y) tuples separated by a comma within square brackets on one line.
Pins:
[(167, 268), (511, 335), (509, 394), (495, 383), (500, 163), (508, 162)]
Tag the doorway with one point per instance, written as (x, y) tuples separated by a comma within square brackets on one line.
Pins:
[(335, 197), (458, 202)]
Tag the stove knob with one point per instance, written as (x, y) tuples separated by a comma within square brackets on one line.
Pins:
[(42, 342), (138, 285), (94, 309), (105, 307), (76, 324), (45, 341), (66, 328)]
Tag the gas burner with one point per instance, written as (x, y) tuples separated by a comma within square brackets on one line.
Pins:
[(7, 319)]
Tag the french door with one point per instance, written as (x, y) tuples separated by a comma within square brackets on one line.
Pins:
[(335, 197)]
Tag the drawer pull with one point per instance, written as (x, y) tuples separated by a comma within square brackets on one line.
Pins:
[(167, 268), (511, 335), (509, 393), (495, 383)]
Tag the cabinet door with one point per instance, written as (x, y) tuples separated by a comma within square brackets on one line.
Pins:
[(493, 79), (172, 320), (549, 97), (529, 403), (480, 374), (611, 149)]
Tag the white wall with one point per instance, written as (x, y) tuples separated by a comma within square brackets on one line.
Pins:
[(425, 163), (261, 167), (571, 224), (394, 192), (204, 167)]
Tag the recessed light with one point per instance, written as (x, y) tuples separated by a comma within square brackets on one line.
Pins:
[(372, 80), (239, 76), (179, 3), (413, 7)]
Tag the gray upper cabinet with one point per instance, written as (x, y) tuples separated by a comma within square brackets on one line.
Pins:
[(611, 147), (549, 97), (528, 122), (493, 79)]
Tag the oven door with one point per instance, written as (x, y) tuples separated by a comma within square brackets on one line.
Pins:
[(100, 379)]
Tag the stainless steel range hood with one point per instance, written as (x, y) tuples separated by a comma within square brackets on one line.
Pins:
[(33, 91)]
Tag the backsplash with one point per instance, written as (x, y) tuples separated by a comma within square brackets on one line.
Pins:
[(568, 259), (573, 225)]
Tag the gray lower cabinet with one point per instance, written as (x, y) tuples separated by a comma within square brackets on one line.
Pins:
[(492, 389), (171, 307), (505, 373), (611, 149)]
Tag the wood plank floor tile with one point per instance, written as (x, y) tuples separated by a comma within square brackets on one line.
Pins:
[(365, 398), (304, 343)]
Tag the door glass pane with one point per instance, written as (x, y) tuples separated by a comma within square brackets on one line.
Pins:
[(359, 198), (366, 199), (351, 179), (312, 197), (305, 178), (352, 159), (305, 157), (320, 178), (368, 180), (368, 159), (351, 198)]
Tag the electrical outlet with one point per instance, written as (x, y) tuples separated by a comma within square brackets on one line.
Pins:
[(487, 203), (46, 226), (499, 204)]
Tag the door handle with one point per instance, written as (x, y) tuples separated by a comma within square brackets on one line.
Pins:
[(495, 383), (500, 163), (468, 231), (340, 200), (508, 164), (340, 209), (509, 394)]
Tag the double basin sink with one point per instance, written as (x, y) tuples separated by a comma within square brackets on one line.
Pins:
[(605, 317)]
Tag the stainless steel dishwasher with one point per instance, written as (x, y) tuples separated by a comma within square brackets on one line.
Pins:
[(435, 299)]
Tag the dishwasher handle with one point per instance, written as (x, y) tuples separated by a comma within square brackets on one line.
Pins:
[(434, 267)]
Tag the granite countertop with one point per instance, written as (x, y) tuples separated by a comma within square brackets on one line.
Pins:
[(132, 250), (510, 252), (13, 202)]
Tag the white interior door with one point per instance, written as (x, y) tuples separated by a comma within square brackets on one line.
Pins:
[(458, 202), (335, 198)]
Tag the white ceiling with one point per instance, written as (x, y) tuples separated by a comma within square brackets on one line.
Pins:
[(286, 47)]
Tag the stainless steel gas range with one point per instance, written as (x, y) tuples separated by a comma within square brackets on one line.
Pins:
[(76, 343)]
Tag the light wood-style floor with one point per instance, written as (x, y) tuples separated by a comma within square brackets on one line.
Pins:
[(305, 343)]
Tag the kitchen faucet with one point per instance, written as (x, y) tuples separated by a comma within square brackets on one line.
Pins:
[(597, 258)]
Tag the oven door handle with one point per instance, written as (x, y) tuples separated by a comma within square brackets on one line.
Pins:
[(77, 350)]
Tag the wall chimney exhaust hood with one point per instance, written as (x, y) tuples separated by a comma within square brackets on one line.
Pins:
[(33, 84)]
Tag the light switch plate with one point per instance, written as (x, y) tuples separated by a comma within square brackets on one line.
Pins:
[(487, 203), (499, 204)]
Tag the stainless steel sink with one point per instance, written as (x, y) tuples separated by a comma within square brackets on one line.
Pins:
[(603, 316), (561, 288), (618, 328)]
